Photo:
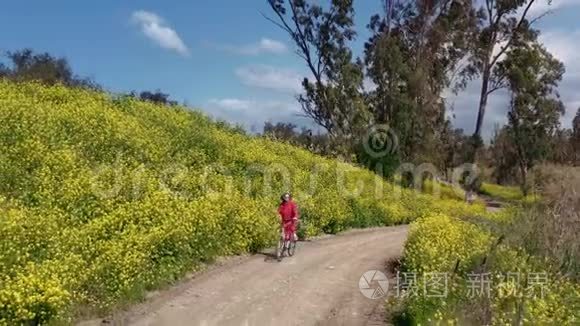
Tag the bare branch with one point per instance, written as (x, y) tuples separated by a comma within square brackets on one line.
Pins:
[(546, 13), (454, 72), (284, 28), (298, 53), (297, 35), (515, 30), (489, 5), (496, 87)]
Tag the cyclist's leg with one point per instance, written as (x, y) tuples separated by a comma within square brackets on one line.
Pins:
[(288, 233), (281, 243)]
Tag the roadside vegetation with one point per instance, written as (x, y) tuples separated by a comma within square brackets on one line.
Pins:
[(513, 267)]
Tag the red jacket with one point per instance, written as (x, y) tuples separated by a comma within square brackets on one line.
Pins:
[(288, 211)]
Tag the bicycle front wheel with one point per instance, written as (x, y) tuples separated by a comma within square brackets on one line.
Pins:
[(280, 249), (291, 248)]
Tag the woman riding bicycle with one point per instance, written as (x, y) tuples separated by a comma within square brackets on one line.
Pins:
[(288, 216)]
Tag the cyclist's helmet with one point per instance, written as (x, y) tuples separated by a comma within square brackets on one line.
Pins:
[(285, 196)]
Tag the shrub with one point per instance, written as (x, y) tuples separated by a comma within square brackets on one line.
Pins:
[(439, 243)]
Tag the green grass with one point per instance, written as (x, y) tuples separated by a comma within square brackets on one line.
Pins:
[(506, 193)]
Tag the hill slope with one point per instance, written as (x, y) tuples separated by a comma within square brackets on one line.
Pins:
[(102, 198)]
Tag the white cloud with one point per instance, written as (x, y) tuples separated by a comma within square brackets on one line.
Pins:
[(231, 104), (264, 45), (564, 45), (268, 77), (542, 6), (253, 113), (369, 85), (268, 46), (269, 107), (156, 29)]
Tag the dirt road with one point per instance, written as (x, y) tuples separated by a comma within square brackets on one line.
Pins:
[(318, 286)]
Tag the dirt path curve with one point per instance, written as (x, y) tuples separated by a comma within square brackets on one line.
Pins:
[(318, 286), (492, 204)]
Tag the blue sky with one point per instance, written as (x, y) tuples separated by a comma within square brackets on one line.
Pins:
[(223, 56)]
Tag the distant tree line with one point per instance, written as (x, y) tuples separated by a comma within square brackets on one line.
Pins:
[(26, 65), (157, 97), (417, 51), (318, 143)]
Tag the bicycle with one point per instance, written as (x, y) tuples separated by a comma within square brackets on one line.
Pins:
[(287, 242)]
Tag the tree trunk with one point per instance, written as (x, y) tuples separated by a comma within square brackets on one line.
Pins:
[(524, 184), (482, 102)]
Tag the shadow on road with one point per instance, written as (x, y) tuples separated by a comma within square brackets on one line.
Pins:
[(269, 256)]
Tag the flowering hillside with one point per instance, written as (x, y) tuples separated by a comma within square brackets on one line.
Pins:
[(103, 198)]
